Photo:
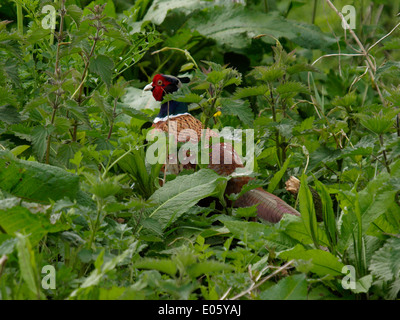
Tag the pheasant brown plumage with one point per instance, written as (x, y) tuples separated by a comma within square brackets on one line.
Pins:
[(175, 119)]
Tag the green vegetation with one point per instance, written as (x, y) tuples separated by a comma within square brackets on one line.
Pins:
[(76, 192)]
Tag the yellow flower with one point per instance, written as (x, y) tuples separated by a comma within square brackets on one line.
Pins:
[(217, 114)]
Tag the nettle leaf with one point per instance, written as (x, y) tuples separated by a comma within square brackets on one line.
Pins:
[(385, 263), (289, 288), (36, 181), (345, 101), (179, 96), (180, 194), (301, 67), (251, 233), (9, 114), (103, 66), (268, 74), (378, 124), (207, 267), (238, 108), (61, 125), (163, 265), (36, 226), (75, 13), (246, 212), (250, 91), (39, 139), (290, 89), (235, 26), (159, 8)]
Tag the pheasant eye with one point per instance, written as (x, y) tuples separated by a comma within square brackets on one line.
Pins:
[(159, 82)]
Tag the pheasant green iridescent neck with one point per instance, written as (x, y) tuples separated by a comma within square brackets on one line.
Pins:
[(173, 109)]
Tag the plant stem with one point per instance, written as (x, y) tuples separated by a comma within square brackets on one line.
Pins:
[(53, 116), (398, 124), (314, 12), (96, 223), (114, 115), (20, 18), (57, 74), (384, 153)]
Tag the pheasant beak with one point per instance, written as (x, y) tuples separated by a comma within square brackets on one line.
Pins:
[(149, 87)]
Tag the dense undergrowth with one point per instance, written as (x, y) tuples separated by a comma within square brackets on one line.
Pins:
[(77, 194)]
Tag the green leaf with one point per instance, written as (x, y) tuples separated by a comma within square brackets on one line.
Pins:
[(159, 8), (75, 13), (251, 233), (268, 74), (207, 267), (378, 124), (178, 195), (102, 268), (307, 210), (19, 149), (385, 263), (290, 89), (238, 108), (328, 215), (40, 135), (27, 265), (163, 265), (246, 212), (9, 114), (103, 66), (250, 91), (278, 176), (35, 181), (363, 284), (17, 219), (323, 263), (235, 26), (289, 288)]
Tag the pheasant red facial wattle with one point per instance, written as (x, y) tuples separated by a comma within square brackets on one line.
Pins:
[(175, 115), (159, 84)]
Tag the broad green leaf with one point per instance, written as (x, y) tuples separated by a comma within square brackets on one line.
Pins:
[(235, 27), (18, 219), (40, 135), (178, 195), (27, 265), (36, 181), (385, 263), (250, 91), (268, 74), (307, 210), (163, 265), (378, 124), (75, 13), (207, 267), (19, 149), (238, 108), (251, 233), (328, 215), (289, 288), (9, 114), (103, 66), (363, 284), (278, 176), (290, 89), (159, 8), (323, 263)]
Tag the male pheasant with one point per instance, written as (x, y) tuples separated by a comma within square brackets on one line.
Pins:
[(174, 114)]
